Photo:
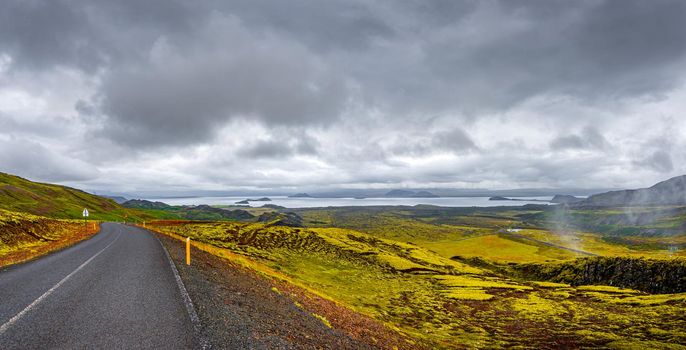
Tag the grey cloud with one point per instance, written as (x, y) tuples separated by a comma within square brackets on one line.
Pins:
[(185, 91), (44, 33), (331, 25), (18, 127), (362, 90), (588, 138), (501, 54), (286, 144), (267, 149), (409, 58), (40, 163), (454, 141), (470, 55), (87, 35), (306, 144), (659, 161)]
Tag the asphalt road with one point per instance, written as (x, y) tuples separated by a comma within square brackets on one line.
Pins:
[(116, 290)]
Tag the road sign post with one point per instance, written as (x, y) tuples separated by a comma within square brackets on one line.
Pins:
[(85, 215)]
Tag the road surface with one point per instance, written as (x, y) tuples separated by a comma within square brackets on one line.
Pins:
[(116, 290)]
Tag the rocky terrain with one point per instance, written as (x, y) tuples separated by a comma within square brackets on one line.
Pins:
[(652, 276)]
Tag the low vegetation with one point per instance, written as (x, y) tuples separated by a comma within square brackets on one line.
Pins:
[(531, 233), (502, 277), (25, 236), (165, 211), (440, 302)]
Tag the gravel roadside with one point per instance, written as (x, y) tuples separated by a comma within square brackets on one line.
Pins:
[(240, 310)]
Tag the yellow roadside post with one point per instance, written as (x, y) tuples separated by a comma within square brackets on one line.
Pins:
[(188, 250)]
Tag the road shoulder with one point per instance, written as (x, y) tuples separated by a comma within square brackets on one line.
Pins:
[(240, 310)]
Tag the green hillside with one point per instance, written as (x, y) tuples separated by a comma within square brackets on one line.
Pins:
[(19, 194)]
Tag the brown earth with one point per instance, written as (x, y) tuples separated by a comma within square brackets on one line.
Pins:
[(240, 309), (28, 240)]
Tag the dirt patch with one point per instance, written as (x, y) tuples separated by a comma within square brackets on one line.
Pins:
[(240, 309)]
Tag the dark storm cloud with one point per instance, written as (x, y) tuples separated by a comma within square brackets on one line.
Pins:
[(367, 91), (270, 60), (329, 25), (286, 144), (39, 34), (508, 52), (187, 89), (470, 56)]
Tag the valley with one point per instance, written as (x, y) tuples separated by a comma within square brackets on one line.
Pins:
[(422, 277), (469, 277)]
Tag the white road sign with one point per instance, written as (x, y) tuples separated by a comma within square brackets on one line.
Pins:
[(85, 212)]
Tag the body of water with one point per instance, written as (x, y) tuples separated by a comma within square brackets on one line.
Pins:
[(345, 202)]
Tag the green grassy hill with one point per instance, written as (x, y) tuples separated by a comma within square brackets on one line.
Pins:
[(19, 194)]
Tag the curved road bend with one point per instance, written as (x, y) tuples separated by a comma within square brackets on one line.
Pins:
[(115, 290)]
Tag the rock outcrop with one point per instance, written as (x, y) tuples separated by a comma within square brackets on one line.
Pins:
[(648, 275)]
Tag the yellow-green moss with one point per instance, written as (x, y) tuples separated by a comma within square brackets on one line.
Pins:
[(323, 319)]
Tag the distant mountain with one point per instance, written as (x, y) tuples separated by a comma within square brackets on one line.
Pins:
[(409, 194), (458, 192), (118, 199), (300, 195), (247, 201), (399, 193), (424, 194), (206, 212), (565, 199), (501, 198), (195, 212), (145, 204), (19, 194), (669, 192)]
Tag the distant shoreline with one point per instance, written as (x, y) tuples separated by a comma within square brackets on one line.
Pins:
[(322, 202)]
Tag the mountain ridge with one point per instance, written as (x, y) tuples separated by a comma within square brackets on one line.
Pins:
[(668, 192)]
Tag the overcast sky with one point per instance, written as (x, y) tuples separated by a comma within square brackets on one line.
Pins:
[(220, 95)]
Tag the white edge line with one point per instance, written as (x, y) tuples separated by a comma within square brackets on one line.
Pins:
[(204, 344), (18, 316)]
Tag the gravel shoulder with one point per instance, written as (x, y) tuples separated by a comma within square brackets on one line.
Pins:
[(239, 309)]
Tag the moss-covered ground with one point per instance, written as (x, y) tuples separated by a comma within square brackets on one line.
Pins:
[(25, 236), (442, 302)]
